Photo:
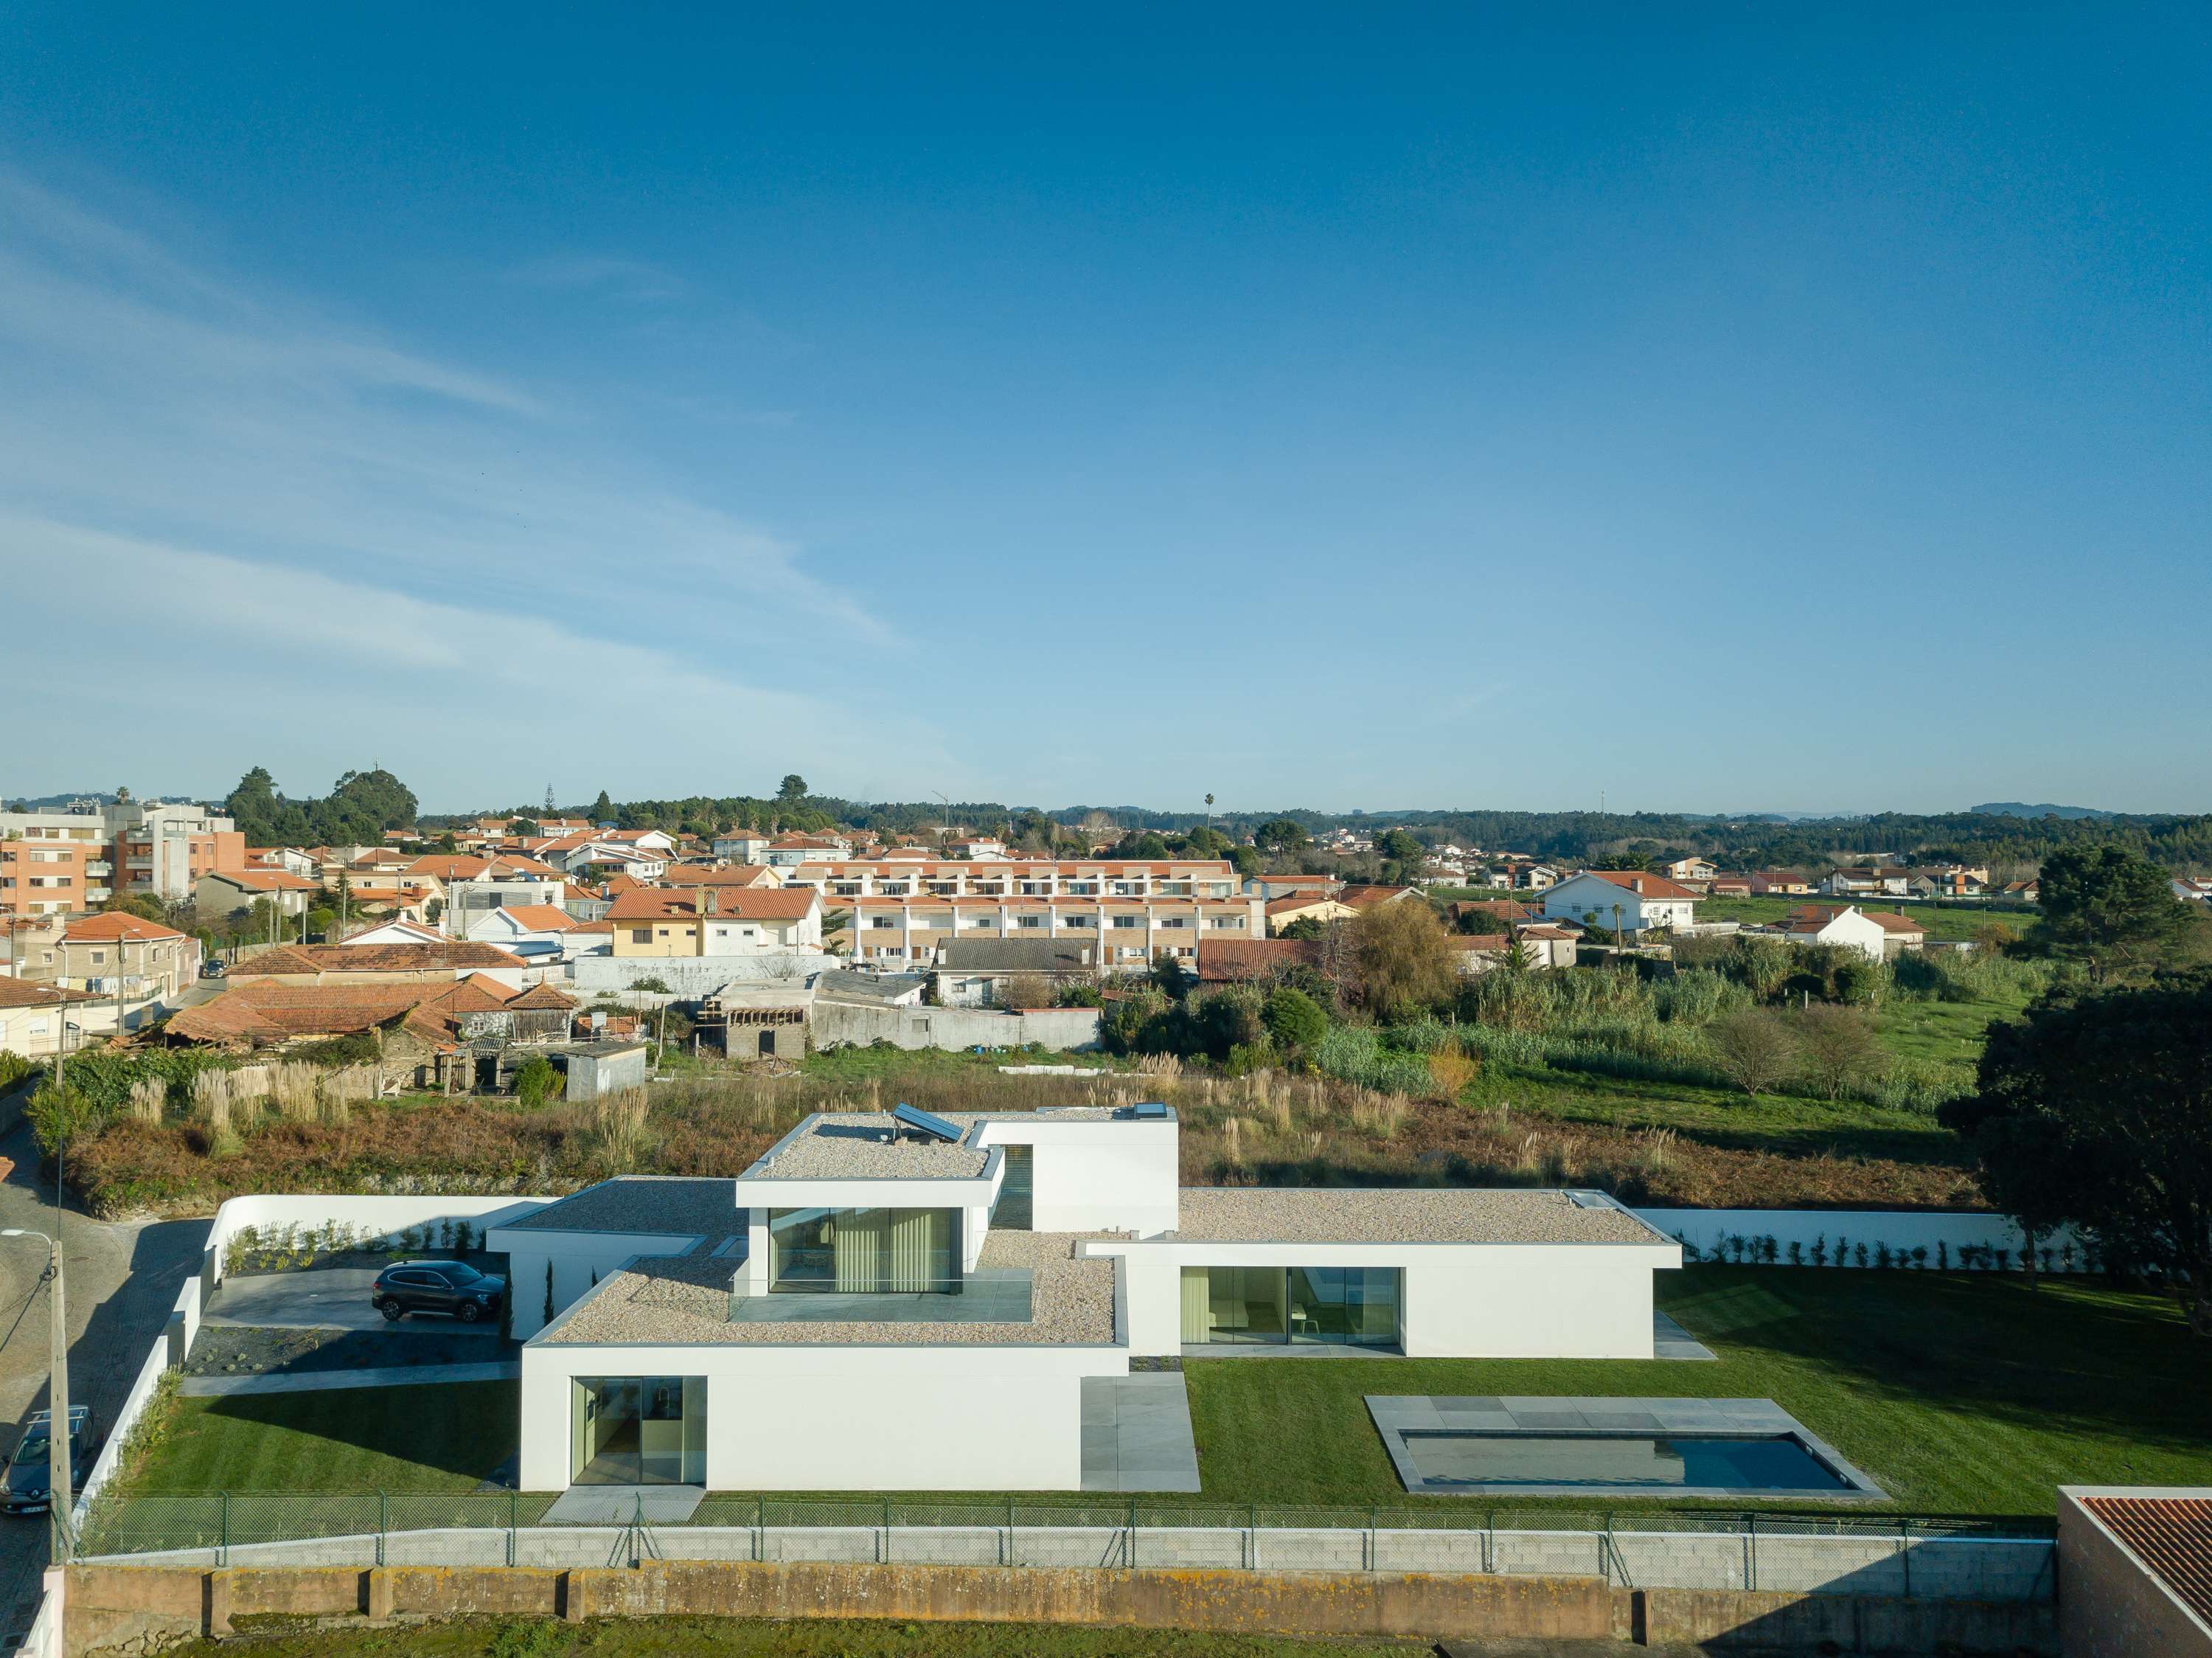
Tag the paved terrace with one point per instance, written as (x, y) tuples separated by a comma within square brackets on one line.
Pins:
[(686, 1299), (1400, 1215)]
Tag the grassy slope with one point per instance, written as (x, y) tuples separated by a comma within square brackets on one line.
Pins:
[(1940, 920), (1959, 1394), (709, 1638)]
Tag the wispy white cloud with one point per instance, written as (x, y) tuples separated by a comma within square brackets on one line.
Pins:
[(634, 280), (156, 396)]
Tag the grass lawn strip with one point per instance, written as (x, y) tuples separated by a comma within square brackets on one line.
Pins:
[(710, 1638)]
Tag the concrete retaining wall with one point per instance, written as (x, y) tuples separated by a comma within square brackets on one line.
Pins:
[(830, 1023), (111, 1607)]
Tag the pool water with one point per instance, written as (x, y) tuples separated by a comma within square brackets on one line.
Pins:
[(1772, 1462)]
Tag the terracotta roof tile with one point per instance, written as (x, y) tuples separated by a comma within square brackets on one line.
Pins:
[(2170, 1535)]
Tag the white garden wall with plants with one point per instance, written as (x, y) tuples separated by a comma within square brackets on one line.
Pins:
[(1935, 1240)]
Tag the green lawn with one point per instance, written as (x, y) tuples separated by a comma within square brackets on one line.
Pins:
[(347, 1438), (714, 1637), (1945, 1032), (1965, 1393), (1952, 920)]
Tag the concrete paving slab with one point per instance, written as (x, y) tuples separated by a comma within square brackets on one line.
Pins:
[(616, 1505), (1137, 1434), (1669, 1340)]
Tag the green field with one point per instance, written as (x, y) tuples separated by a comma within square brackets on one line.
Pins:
[(717, 1637), (1966, 1393), (1949, 921)]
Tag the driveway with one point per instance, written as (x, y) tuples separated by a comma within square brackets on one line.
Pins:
[(322, 1298), (123, 1278)]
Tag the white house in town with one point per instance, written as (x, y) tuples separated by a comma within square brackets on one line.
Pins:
[(1874, 934), (1627, 900), (535, 932), (813, 1323)]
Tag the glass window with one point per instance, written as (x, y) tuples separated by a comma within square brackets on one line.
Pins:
[(1012, 1212), (864, 1251), (1336, 1306)]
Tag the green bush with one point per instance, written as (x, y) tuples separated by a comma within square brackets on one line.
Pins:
[(1357, 1054), (1293, 1019), (535, 1080)]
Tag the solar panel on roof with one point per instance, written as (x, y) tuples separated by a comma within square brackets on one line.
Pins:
[(925, 1122), (1149, 1110)]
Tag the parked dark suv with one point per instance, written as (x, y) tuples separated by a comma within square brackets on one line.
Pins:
[(24, 1489), (450, 1287)]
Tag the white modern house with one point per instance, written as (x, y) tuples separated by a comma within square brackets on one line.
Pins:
[(535, 932), (815, 1323), (1628, 900)]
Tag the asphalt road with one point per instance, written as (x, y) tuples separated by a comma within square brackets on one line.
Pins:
[(121, 1279)]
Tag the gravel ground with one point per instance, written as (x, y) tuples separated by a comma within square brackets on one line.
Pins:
[(687, 1299), (1403, 1215), (244, 1350)]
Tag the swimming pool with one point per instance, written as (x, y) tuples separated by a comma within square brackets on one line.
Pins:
[(1606, 1448), (1653, 1462)]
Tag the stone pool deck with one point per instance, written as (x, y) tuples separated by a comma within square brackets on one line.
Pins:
[(1395, 1416)]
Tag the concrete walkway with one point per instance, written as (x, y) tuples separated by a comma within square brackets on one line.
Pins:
[(1670, 1341), (324, 1382), (1136, 1434), (616, 1505)]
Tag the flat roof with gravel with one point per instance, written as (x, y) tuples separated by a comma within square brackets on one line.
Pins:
[(662, 1204), (1411, 1214), (686, 1299), (858, 1145)]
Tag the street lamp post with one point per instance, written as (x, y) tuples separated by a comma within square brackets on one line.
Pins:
[(58, 1497)]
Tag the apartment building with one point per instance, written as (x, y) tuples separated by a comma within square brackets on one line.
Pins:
[(1127, 931), (1086, 878), (130, 846)]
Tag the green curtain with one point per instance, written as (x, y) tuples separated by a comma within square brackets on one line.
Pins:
[(921, 1242), (1197, 1305), (857, 1246)]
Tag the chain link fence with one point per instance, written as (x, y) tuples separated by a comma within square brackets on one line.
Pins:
[(1933, 1557)]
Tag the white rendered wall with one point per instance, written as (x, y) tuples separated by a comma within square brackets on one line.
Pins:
[(1457, 1300), (574, 1257), (1116, 1174), (885, 1418), (384, 1216)]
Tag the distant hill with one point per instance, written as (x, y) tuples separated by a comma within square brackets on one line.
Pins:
[(2012, 808)]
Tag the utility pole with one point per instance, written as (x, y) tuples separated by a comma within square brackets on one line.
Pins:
[(59, 1497)]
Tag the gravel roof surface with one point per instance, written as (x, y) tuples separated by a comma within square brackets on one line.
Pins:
[(643, 1203), (850, 1145), (687, 1299), (1403, 1215)]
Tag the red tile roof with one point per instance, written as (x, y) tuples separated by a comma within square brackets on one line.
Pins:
[(453, 954), (2170, 1535), (114, 926), (1227, 961), (1360, 897), (540, 918), (23, 993), (1643, 884), (743, 903), (1811, 917)]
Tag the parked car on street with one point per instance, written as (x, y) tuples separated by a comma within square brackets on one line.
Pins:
[(26, 1488), (213, 970), (452, 1287)]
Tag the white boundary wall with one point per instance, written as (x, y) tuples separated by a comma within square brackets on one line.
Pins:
[(1961, 1232)]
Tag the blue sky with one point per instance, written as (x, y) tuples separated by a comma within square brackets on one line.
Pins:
[(1751, 408)]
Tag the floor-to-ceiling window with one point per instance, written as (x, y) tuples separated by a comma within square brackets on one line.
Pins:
[(638, 1430), (1334, 1305), (864, 1251)]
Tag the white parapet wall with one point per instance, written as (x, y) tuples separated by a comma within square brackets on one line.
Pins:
[(1090, 1176), (887, 1417), (381, 1219), (1955, 1238)]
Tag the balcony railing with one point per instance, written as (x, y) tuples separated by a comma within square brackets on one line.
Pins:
[(987, 1296)]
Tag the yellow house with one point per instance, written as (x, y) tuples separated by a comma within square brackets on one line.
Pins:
[(697, 921)]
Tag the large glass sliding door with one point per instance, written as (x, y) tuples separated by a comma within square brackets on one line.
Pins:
[(864, 1251), (1261, 1306), (638, 1430)]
